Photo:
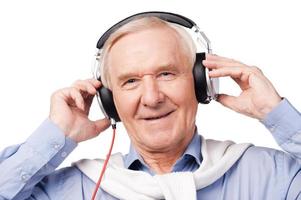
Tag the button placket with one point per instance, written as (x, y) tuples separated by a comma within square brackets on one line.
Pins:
[(63, 154)]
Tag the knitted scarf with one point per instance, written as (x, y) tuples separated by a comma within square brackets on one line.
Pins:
[(122, 183)]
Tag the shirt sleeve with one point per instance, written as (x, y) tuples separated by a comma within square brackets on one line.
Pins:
[(284, 122), (23, 166)]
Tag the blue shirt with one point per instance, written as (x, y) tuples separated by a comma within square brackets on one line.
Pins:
[(27, 171)]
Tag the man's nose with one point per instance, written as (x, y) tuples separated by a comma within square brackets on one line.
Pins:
[(151, 94)]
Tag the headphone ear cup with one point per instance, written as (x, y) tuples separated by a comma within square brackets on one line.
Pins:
[(106, 98), (199, 75)]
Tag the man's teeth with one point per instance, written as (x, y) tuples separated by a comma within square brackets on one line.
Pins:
[(152, 118), (155, 117)]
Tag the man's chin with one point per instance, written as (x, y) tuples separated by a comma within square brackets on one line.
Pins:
[(158, 148), (160, 140)]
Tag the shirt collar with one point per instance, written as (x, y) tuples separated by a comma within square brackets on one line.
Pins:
[(132, 157), (193, 150)]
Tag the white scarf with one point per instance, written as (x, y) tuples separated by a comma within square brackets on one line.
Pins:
[(122, 183)]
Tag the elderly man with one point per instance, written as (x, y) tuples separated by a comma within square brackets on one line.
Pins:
[(148, 67)]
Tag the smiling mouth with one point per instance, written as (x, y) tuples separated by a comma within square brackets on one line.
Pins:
[(158, 117)]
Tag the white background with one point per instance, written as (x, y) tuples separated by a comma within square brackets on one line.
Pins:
[(47, 45)]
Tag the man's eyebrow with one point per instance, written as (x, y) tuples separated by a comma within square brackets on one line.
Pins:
[(126, 75)]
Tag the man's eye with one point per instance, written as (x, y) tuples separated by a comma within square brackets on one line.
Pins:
[(165, 73), (130, 81), (166, 76)]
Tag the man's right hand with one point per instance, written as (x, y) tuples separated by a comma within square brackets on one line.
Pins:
[(70, 107)]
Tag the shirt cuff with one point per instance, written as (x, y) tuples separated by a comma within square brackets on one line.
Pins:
[(50, 143), (283, 121), (31, 161)]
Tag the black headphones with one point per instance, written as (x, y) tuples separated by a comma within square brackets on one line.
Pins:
[(206, 88)]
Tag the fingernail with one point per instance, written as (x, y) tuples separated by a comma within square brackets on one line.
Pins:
[(206, 62), (211, 73)]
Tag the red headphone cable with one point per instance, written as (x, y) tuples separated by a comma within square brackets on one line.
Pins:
[(106, 162)]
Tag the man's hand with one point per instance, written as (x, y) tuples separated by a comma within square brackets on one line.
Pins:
[(70, 108), (258, 96)]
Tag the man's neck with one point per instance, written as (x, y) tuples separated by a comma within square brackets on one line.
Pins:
[(162, 162)]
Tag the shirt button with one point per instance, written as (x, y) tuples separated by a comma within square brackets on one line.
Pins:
[(272, 128), (56, 146), (63, 154), (24, 177)]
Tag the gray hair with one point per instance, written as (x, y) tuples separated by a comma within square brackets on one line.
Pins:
[(139, 24)]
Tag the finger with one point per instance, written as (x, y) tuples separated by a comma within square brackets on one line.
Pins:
[(228, 101), (234, 72), (215, 64), (96, 83), (240, 75), (210, 56), (102, 124), (86, 86), (214, 57), (75, 96), (241, 71)]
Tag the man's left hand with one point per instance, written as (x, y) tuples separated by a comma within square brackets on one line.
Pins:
[(258, 96)]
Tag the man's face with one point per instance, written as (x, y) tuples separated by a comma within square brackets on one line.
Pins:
[(153, 89)]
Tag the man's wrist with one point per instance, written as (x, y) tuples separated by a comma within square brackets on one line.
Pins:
[(50, 142), (283, 121), (269, 107)]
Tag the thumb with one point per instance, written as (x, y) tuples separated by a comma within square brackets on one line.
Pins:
[(101, 125), (228, 101)]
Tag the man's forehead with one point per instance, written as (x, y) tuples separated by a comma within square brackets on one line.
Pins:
[(148, 41), (143, 52)]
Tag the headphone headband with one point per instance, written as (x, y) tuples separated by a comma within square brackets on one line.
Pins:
[(166, 16)]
